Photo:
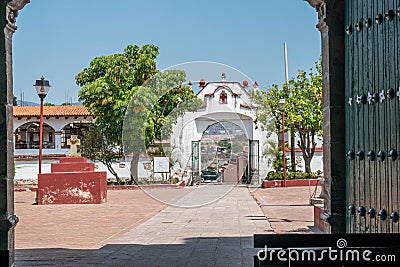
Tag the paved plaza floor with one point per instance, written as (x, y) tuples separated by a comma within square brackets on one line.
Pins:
[(210, 225)]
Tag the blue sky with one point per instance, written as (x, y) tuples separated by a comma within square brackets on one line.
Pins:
[(58, 38)]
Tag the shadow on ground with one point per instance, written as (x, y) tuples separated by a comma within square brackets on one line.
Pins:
[(196, 251)]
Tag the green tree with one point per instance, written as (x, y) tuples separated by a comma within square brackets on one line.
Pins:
[(108, 83), (154, 108), (95, 147), (303, 110), (112, 83), (48, 104)]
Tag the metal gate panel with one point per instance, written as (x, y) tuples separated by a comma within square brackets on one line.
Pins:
[(254, 168), (195, 156), (372, 115)]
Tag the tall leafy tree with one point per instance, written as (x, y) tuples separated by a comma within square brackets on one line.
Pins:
[(303, 110), (154, 108), (108, 83), (112, 83)]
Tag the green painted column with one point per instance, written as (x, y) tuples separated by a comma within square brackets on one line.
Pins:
[(8, 220)]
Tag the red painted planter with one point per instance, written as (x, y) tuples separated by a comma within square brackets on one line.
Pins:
[(72, 159), (72, 188), (72, 181), (72, 167), (289, 183)]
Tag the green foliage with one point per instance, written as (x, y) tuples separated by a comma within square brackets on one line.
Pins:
[(303, 110), (95, 147), (108, 83), (48, 104), (154, 108), (124, 88), (278, 162), (278, 175)]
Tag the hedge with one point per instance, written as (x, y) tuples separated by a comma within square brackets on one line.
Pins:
[(278, 175)]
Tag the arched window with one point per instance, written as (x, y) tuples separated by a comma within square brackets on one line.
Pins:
[(27, 136), (223, 97), (72, 129)]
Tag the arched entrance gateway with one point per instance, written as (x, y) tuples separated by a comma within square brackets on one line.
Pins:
[(224, 154), (221, 142)]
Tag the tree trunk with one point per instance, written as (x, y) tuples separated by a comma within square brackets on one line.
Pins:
[(112, 171), (134, 169), (307, 164), (307, 145)]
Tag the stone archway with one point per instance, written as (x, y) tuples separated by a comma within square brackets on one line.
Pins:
[(224, 152), (72, 129), (27, 136), (8, 220)]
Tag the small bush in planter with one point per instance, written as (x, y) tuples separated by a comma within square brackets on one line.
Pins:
[(278, 175)]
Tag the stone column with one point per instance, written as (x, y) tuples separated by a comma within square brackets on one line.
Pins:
[(8, 220), (57, 141), (331, 26)]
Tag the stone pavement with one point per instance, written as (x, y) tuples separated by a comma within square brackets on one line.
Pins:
[(214, 234), (49, 235)]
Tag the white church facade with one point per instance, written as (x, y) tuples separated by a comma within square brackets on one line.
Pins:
[(222, 134)]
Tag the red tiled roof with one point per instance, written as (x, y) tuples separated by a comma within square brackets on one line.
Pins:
[(50, 111)]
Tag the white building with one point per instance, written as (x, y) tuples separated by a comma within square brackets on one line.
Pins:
[(59, 122), (224, 123)]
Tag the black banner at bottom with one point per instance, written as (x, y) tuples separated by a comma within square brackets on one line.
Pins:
[(4, 257), (327, 250)]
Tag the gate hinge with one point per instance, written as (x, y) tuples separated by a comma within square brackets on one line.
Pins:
[(11, 220), (325, 217)]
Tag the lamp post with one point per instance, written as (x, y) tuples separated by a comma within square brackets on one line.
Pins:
[(42, 87), (282, 104)]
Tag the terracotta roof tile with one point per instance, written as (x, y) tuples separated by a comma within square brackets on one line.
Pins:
[(50, 111)]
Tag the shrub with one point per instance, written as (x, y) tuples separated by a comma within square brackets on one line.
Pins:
[(278, 175)]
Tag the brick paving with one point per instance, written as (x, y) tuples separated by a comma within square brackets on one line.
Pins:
[(68, 230), (133, 229), (288, 210)]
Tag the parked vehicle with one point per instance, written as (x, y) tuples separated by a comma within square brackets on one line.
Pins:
[(209, 175)]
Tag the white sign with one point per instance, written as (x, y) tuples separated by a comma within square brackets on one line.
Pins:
[(161, 165)]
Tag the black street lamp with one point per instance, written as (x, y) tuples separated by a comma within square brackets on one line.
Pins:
[(42, 87)]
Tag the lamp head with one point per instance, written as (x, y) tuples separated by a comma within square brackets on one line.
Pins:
[(282, 104), (42, 87)]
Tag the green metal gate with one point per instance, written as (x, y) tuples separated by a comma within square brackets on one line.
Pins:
[(253, 161), (372, 43), (195, 159)]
